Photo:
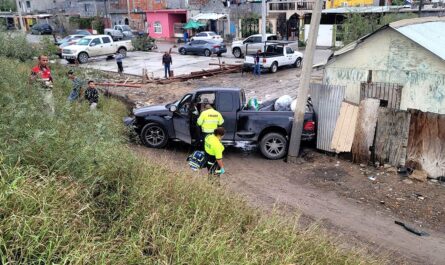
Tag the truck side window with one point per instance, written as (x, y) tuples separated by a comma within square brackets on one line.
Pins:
[(96, 41), (225, 102), (106, 40), (289, 50), (205, 98)]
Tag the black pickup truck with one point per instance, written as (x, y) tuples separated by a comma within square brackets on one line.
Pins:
[(158, 124)]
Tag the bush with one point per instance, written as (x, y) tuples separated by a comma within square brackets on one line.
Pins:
[(48, 47), (73, 193), (15, 45), (143, 43)]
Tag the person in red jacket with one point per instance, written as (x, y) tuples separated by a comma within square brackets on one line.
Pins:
[(41, 73)]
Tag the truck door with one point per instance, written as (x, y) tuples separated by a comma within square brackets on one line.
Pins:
[(95, 47), (108, 47), (181, 119), (226, 105), (290, 56)]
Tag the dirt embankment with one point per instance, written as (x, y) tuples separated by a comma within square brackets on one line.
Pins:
[(333, 191)]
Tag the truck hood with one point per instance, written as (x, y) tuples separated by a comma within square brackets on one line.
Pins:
[(237, 42), (151, 110), (74, 47)]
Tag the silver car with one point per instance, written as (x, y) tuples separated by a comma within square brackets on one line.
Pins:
[(206, 47)]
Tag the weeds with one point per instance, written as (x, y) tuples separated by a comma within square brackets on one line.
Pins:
[(73, 193)]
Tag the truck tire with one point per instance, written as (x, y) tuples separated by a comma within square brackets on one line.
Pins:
[(122, 51), (154, 135), (297, 63), (274, 67), (207, 52), (237, 52), (82, 57), (273, 146)]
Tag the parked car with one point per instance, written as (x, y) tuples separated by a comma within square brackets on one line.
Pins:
[(69, 39), (119, 32), (270, 129), (252, 44), (83, 32), (207, 35), (40, 29), (277, 54), (64, 44), (206, 47), (94, 46)]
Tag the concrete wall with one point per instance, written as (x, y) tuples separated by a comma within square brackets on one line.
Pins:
[(393, 58)]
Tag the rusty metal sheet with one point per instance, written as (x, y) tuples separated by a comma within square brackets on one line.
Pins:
[(365, 130), (391, 138), (327, 100), (345, 128), (383, 91), (426, 143)]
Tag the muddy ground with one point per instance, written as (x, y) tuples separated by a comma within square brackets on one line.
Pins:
[(328, 189)]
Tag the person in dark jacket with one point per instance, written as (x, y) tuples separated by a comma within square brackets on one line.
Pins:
[(92, 95), (257, 66), (167, 61)]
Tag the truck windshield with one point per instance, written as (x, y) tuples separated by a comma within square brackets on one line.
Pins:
[(84, 41)]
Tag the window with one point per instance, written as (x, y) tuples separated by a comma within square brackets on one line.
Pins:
[(28, 4), (289, 50), (274, 37), (256, 39), (212, 34), (106, 40), (201, 35), (207, 98), (96, 41), (158, 27), (225, 102)]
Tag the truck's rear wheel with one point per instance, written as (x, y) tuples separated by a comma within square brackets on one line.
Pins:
[(273, 146), (122, 51), (154, 135), (82, 57), (274, 67), (237, 52)]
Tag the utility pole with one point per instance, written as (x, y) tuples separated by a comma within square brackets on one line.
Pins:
[(420, 8), (263, 20), (303, 89), (128, 10), (19, 10)]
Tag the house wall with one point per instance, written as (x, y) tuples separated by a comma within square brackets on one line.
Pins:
[(393, 58), (340, 3), (175, 18)]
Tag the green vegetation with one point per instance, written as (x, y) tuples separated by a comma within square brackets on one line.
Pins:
[(72, 192), (358, 25), (7, 5), (143, 43), (14, 45)]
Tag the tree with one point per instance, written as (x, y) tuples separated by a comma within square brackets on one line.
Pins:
[(358, 25), (6, 5)]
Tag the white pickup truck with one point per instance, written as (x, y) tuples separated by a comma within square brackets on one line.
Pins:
[(94, 46), (277, 54), (119, 32)]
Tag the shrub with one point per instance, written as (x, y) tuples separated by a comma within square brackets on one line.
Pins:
[(143, 43), (15, 45), (73, 193)]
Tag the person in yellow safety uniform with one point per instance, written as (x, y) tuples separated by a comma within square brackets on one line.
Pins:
[(214, 151), (209, 120)]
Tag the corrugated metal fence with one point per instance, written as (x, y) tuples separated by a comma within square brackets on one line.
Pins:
[(327, 101)]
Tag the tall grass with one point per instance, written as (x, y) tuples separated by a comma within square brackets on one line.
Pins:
[(71, 192)]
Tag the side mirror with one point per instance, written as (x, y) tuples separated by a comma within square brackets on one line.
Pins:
[(173, 108), (92, 44)]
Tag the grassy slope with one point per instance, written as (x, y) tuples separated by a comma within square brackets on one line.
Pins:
[(72, 192)]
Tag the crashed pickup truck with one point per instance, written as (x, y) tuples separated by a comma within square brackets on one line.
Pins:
[(265, 127)]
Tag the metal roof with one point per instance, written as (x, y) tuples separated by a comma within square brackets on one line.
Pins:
[(428, 32), (208, 16)]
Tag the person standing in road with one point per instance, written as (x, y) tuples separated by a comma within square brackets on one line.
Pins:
[(41, 73), (257, 66), (91, 95), (119, 57), (214, 151), (77, 86), (209, 120), (186, 36), (167, 61)]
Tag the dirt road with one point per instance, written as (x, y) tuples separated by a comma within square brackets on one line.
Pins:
[(266, 184)]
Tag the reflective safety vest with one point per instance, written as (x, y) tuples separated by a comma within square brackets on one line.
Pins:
[(213, 146), (209, 120)]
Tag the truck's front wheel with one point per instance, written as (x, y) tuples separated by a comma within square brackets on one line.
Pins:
[(154, 135), (273, 146), (82, 57)]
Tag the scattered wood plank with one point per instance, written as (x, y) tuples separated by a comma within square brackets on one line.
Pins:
[(345, 128)]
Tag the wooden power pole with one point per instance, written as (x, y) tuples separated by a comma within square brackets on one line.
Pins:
[(19, 11), (303, 89)]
